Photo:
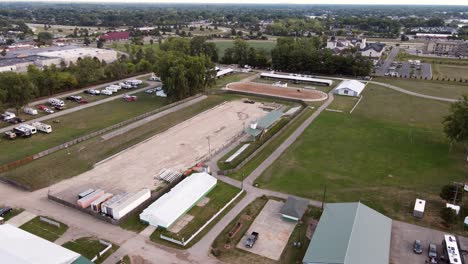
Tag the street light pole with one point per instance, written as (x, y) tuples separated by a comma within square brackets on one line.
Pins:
[(209, 146)]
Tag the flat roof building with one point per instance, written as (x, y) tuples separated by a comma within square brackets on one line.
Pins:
[(350, 233), (296, 78), (72, 55), (349, 88)]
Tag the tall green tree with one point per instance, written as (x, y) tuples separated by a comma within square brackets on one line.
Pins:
[(456, 123), (18, 89)]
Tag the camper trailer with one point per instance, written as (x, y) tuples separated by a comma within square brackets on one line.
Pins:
[(30, 128), (42, 127), (30, 111)]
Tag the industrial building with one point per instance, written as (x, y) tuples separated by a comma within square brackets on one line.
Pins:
[(295, 78), (349, 88), (21, 247), (350, 233), (171, 206), (451, 48), (72, 55)]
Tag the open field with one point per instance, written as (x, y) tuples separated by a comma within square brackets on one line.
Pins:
[(403, 56), (79, 123), (178, 148), (44, 230), (390, 149), (235, 77), (450, 71), (306, 95), (446, 89), (63, 29), (90, 247), (222, 45), (343, 103)]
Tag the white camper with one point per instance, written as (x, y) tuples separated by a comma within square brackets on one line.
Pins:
[(56, 102), (8, 115), (30, 111), (32, 129), (42, 127)]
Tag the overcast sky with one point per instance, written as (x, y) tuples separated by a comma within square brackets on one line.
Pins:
[(375, 2)]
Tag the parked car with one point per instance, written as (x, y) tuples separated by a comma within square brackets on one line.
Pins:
[(432, 251), (5, 210), (75, 98), (130, 98), (82, 101), (58, 107), (149, 91), (251, 239), (106, 92), (15, 120), (49, 111), (42, 107), (417, 247), (10, 135)]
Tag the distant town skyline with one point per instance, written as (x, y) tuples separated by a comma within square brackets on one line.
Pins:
[(302, 2)]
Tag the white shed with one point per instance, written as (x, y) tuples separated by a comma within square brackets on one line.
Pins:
[(349, 88), (454, 207), (419, 206)]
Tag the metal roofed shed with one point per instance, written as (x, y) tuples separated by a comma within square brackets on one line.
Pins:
[(294, 208), (296, 78), (20, 247), (349, 88), (130, 202), (171, 206), (264, 123), (350, 233), (419, 206)]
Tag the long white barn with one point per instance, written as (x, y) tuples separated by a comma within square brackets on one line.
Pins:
[(296, 78), (171, 206)]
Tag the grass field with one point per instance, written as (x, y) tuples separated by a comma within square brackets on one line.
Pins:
[(450, 71), (219, 197), (44, 230), (79, 123), (403, 56), (235, 77), (222, 45), (388, 152), (89, 248), (14, 212), (343, 103), (446, 89)]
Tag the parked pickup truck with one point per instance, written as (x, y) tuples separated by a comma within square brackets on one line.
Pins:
[(251, 239)]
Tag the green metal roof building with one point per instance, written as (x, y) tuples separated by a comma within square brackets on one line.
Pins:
[(350, 233), (264, 123)]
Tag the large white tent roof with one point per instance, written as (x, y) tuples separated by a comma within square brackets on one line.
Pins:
[(296, 78), (352, 85), (169, 207), (20, 247)]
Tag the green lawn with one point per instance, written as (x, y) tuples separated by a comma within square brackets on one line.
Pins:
[(222, 45), (235, 77), (343, 103), (219, 197), (403, 56), (388, 152), (44, 230), (79, 123), (446, 89), (89, 248), (133, 223), (81, 157), (449, 71), (14, 212)]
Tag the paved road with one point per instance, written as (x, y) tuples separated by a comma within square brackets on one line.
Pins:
[(81, 107), (388, 62)]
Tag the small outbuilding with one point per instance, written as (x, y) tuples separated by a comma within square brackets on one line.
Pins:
[(349, 88), (294, 208), (419, 206)]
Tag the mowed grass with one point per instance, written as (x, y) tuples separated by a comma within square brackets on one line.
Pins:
[(89, 248), (453, 90), (81, 157), (388, 152), (77, 124), (343, 103), (450, 71), (235, 77), (221, 194), (14, 212), (222, 45), (44, 230)]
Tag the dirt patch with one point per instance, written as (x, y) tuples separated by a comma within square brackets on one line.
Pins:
[(284, 92), (203, 201), (181, 223)]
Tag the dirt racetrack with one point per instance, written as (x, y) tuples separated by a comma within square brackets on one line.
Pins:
[(284, 92), (177, 148)]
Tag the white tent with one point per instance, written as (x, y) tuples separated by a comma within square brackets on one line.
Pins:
[(20, 247), (349, 88), (174, 204)]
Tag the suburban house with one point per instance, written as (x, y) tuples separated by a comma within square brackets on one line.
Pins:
[(373, 50), (294, 208), (116, 36), (338, 45), (350, 233), (349, 88)]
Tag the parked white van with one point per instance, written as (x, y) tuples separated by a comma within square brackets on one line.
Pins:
[(32, 129), (42, 127), (8, 115), (112, 89), (56, 102), (30, 111), (106, 92), (115, 86)]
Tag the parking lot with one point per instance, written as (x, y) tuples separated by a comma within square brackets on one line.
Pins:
[(274, 232), (403, 237)]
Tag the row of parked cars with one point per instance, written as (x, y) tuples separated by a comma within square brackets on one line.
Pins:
[(113, 88), (431, 251)]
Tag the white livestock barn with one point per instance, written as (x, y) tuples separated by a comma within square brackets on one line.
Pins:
[(350, 88)]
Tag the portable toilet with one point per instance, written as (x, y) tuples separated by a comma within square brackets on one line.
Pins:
[(419, 206)]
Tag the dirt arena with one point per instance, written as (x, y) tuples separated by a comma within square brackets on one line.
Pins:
[(291, 93), (178, 148)]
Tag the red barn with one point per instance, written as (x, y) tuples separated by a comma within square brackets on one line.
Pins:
[(115, 36)]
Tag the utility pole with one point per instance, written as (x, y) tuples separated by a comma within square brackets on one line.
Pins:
[(323, 198), (209, 146), (456, 194)]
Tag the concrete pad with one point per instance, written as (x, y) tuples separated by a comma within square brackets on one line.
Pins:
[(21, 219), (181, 223), (274, 232), (148, 231), (203, 201)]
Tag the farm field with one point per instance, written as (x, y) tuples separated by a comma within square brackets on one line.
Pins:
[(446, 89), (222, 45), (79, 123), (384, 151), (450, 71)]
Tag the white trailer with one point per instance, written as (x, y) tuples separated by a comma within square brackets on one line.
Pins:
[(8, 115), (419, 206), (32, 129), (112, 89), (30, 111), (106, 92), (107, 206), (85, 193), (115, 86), (56, 102), (42, 127), (96, 205), (130, 203)]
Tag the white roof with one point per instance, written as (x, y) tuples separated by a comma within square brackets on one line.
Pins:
[(224, 72), (419, 205), (452, 249), (297, 78), (78, 52), (353, 85), (20, 247), (454, 207), (172, 205)]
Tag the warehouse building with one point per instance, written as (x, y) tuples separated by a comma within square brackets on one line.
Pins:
[(295, 78), (350, 233), (171, 206), (21, 247), (349, 88), (72, 55)]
